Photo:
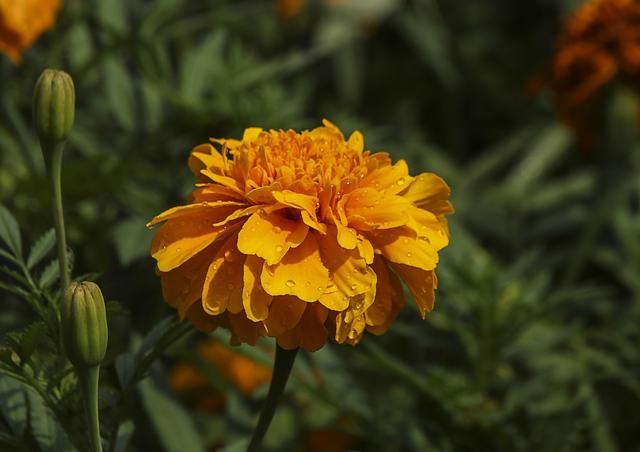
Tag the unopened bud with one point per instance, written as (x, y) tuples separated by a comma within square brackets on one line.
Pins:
[(54, 103), (84, 324)]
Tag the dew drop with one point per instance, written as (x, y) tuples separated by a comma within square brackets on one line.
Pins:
[(178, 250), (409, 254), (279, 248), (353, 333), (354, 286), (290, 283), (357, 305), (400, 181)]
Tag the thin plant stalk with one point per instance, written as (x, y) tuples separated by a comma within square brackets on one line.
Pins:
[(54, 170), (88, 379), (281, 371)]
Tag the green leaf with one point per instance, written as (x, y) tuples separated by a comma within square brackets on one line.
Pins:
[(171, 422), (41, 248), (10, 232), (50, 274), (13, 404), (120, 93), (44, 426), (197, 67), (125, 368), (125, 431), (25, 342), (132, 240)]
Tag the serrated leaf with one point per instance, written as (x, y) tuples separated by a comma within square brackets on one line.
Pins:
[(10, 232), (41, 248), (120, 93), (50, 274), (25, 342), (171, 422)]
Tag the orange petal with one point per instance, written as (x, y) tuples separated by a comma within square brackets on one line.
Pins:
[(421, 284), (300, 273), (270, 236), (203, 321), (223, 284), (239, 214), (284, 314), (356, 141), (400, 245), (254, 299), (310, 333), (183, 285), (430, 192), (214, 192), (298, 201), (366, 209), (218, 209), (388, 180), (205, 156), (428, 227), (349, 275), (244, 330), (225, 181), (179, 239), (389, 298)]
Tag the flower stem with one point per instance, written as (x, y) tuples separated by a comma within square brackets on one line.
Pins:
[(88, 379), (281, 370), (54, 169)]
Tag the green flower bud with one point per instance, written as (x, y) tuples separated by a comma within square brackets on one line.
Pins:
[(54, 101), (84, 324)]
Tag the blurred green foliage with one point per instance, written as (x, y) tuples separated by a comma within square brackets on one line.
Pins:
[(534, 343)]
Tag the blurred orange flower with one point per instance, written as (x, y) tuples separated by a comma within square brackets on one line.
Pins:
[(22, 21), (235, 368), (300, 234), (600, 41)]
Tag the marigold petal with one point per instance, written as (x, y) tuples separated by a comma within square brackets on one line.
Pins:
[(421, 283), (270, 236), (182, 286), (429, 227), (284, 314), (223, 284), (430, 192), (366, 209), (310, 333), (388, 301), (212, 192), (218, 209), (205, 156), (300, 273), (203, 321), (254, 298), (349, 275), (400, 245), (179, 239), (297, 201), (388, 180), (243, 330), (356, 141)]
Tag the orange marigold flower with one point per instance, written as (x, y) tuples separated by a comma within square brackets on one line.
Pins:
[(298, 235), (600, 42), (22, 21)]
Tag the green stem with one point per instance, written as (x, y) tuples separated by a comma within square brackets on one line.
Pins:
[(54, 169), (88, 379), (281, 370)]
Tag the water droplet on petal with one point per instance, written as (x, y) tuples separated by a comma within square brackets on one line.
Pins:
[(178, 250), (354, 286), (409, 254), (353, 333), (279, 248), (400, 181), (290, 283)]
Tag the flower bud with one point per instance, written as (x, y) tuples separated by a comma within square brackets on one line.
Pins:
[(84, 324), (54, 102)]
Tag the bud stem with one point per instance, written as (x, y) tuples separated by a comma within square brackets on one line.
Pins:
[(281, 370), (88, 379), (54, 170)]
